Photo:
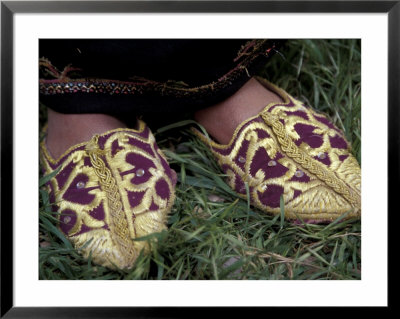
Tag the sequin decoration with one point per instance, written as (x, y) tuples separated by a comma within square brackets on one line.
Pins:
[(299, 138), (105, 217), (80, 185), (140, 172), (299, 173), (271, 163)]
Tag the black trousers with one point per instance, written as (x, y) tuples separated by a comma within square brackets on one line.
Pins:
[(145, 76)]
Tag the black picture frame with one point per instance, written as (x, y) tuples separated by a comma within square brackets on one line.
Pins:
[(9, 8)]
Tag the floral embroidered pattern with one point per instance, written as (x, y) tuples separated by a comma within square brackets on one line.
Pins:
[(111, 190), (291, 150)]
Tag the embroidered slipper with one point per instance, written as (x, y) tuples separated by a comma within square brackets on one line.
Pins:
[(109, 191), (289, 149)]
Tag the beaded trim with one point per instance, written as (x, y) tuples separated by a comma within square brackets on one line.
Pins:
[(62, 84)]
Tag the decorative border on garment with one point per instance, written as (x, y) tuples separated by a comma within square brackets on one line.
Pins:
[(63, 84)]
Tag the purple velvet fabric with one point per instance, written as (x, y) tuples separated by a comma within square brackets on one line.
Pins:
[(338, 142), (98, 212), (78, 193), (271, 167), (325, 160), (271, 196), (299, 114), (67, 224), (307, 136)]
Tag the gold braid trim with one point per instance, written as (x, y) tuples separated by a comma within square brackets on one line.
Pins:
[(118, 223), (313, 166)]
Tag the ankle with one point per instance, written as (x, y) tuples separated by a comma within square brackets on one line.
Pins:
[(66, 130), (222, 119)]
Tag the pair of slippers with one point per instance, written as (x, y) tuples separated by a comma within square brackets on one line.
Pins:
[(118, 186)]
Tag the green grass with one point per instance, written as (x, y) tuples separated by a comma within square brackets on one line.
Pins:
[(214, 235)]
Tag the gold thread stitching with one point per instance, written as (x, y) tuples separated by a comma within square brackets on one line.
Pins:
[(306, 205), (291, 150), (53, 161), (141, 221), (108, 184)]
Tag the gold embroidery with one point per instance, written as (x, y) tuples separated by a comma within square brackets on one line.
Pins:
[(306, 161), (54, 161), (331, 191), (111, 239), (118, 224)]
